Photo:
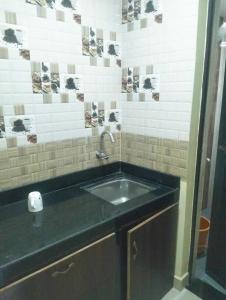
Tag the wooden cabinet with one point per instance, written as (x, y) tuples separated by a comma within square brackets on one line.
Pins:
[(147, 253), (92, 273), (151, 256)]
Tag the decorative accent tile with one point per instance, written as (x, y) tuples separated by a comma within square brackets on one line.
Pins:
[(124, 80), (77, 18), (100, 47), (113, 116), (46, 78), (85, 40), (19, 125), (159, 18), (92, 42), (101, 117), (32, 138), (94, 114), (88, 119), (36, 81), (119, 63), (129, 80), (10, 17), (80, 97), (150, 83), (2, 125), (112, 49), (13, 36), (71, 83), (25, 54), (156, 96), (133, 10), (64, 4)]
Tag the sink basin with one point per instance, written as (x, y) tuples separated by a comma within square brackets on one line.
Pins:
[(119, 191)]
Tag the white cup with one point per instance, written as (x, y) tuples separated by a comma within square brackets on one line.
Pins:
[(35, 203)]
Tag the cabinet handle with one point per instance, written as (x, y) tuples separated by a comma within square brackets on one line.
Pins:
[(135, 250), (58, 273)]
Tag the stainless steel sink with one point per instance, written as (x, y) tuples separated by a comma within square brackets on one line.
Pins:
[(118, 191)]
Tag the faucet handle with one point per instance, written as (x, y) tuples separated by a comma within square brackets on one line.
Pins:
[(101, 155)]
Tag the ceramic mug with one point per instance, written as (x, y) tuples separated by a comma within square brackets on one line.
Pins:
[(35, 202)]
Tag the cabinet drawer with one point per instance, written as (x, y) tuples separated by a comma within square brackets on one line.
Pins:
[(90, 273)]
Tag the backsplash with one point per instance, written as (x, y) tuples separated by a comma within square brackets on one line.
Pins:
[(71, 68), (60, 63)]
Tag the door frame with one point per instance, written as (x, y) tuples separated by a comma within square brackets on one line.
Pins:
[(210, 65)]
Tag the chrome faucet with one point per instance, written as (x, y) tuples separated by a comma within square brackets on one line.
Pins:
[(101, 154)]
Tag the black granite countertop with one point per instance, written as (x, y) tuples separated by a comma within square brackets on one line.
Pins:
[(72, 217)]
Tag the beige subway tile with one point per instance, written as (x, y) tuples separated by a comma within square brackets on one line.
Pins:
[(149, 69), (113, 36), (129, 97), (142, 97), (60, 15), (4, 53), (10, 17), (41, 12), (71, 69), (35, 66), (143, 23), (54, 68), (93, 61), (11, 142), (64, 98), (47, 98), (106, 62), (19, 109), (130, 27), (100, 34)]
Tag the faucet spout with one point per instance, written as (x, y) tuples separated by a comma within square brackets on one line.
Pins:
[(108, 133), (101, 154)]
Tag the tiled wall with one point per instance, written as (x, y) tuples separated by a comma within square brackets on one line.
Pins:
[(165, 50), (164, 155), (71, 68), (60, 80), (158, 49)]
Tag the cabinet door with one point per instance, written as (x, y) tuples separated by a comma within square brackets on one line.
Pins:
[(151, 256), (91, 273)]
